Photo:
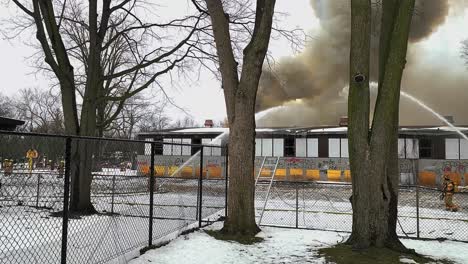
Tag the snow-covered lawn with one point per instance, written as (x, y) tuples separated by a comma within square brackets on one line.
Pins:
[(280, 245)]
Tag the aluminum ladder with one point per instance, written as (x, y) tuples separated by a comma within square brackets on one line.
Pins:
[(270, 163)]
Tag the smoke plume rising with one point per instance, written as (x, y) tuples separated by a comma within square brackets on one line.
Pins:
[(313, 85)]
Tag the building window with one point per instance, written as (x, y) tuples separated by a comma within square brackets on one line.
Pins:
[(148, 146), (186, 150), (195, 149), (425, 148), (401, 148), (167, 148), (258, 147), (278, 147), (452, 148), (412, 148), (338, 148), (289, 147), (408, 148), (267, 147), (301, 147), (307, 147), (176, 149), (312, 147)]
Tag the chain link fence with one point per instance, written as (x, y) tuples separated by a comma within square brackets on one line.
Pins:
[(145, 191), (326, 206), (139, 196)]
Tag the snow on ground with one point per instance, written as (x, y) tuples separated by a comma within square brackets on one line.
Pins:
[(280, 245)]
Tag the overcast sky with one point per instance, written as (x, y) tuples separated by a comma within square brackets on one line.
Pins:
[(203, 99)]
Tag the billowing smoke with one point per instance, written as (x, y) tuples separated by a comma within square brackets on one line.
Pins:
[(313, 85)]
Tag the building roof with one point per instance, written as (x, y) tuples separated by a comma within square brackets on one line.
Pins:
[(420, 130), (9, 123)]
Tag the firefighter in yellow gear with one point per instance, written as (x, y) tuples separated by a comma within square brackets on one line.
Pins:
[(31, 155), (449, 189), (8, 166), (61, 168)]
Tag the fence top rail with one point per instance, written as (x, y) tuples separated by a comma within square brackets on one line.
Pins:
[(31, 134)]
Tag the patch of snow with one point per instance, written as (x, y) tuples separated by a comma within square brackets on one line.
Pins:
[(406, 260), (280, 245), (454, 251)]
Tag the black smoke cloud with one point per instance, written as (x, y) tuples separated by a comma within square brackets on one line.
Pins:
[(313, 85)]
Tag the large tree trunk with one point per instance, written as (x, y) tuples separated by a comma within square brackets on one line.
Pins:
[(373, 157), (81, 191), (241, 210), (240, 95)]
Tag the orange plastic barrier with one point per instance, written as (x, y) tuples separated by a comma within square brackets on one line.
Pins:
[(427, 178), (347, 176), (313, 175), (334, 175)]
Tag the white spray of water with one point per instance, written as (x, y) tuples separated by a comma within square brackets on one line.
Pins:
[(217, 141), (443, 119)]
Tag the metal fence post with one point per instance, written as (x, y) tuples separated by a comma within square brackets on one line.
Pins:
[(200, 189), (227, 183), (66, 197), (151, 188), (38, 189), (417, 211), (297, 205), (113, 193), (416, 180)]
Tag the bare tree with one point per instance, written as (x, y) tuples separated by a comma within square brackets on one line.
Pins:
[(240, 93), (77, 40), (41, 110), (6, 107), (373, 153), (464, 51), (185, 122), (138, 113)]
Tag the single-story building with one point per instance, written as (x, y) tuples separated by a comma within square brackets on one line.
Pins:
[(321, 153)]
